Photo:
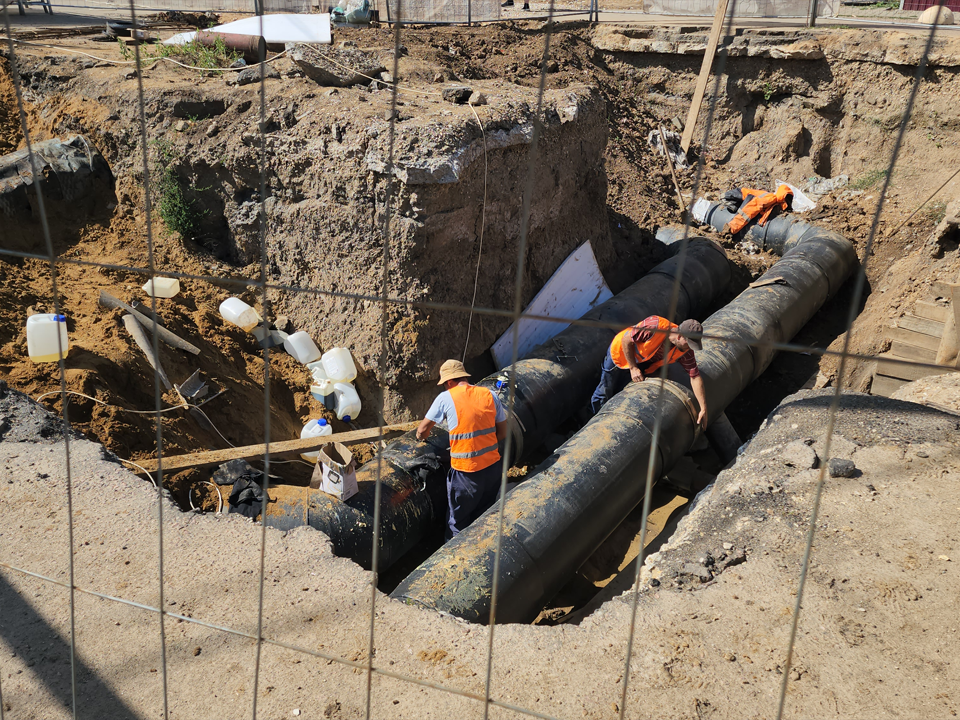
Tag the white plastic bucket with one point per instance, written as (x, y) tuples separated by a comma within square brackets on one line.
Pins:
[(236, 311), (348, 402), (301, 346), (162, 287), (42, 331), (339, 366), (314, 428)]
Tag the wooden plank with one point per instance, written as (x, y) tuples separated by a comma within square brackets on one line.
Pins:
[(904, 371), (283, 448), (940, 289), (885, 386), (931, 310), (708, 56), (921, 325), (927, 342), (912, 352)]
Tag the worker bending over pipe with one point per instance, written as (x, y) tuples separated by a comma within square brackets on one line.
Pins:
[(638, 352)]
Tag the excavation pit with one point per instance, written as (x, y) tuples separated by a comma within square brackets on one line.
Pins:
[(790, 107)]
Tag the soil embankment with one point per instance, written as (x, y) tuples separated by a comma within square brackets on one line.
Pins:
[(877, 637)]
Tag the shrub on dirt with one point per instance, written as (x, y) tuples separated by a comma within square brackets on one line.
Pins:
[(178, 212)]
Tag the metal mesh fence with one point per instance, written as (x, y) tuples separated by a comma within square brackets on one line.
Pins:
[(366, 664), (235, 6), (442, 11), (745, 8)]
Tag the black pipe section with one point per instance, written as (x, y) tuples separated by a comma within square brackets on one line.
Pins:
[(552, 383), (556, 519)]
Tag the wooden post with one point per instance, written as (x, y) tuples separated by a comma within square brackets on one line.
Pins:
[(705, 68), (673, 174), (949, 350)]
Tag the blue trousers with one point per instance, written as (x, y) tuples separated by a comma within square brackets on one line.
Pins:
[(469, 494), (612, 380)]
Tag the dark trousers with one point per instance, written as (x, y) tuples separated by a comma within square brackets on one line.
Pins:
[(612, 381), (469, 494)]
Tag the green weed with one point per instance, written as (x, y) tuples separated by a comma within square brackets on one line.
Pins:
[(768, 91), (869, 179), (125, 52), (935, 211), (196, 55)]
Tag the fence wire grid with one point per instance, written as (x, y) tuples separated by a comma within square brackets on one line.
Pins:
[(488, 698)]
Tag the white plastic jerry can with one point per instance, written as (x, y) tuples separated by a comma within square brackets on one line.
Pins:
[(321, 389), (321, 385), (302, 347), (236, 311), (162, 287), (348, 402), (339, 366), (314, 428), (42, 333)]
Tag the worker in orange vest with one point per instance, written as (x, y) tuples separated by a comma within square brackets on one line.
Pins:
[(758, 204), (638, 352), (476, 422)]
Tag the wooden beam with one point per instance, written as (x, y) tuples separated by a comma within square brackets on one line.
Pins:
[(705, 68), (673, 173), (921, 325), (927, 342), (913, 352), (885, 386), (955, 303), (282, 448), (950, 342), (931, 310), (940, 289), (904, 371)]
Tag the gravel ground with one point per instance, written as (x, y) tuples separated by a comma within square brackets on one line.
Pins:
[(878, 635)]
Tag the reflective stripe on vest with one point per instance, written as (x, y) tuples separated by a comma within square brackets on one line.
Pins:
[(646, 350), (473, 444)]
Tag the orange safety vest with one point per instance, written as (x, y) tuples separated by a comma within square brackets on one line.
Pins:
[(473, 442), (645, 351), (761, 204)]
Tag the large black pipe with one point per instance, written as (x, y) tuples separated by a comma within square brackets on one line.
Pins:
[(552, 383), (556, 519)]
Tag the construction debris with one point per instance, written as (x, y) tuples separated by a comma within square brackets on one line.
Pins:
[(339, 67), (70, 170), (458, 94), (108, 300)]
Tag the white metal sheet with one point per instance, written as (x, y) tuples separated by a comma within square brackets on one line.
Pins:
[(313, 28), (574, 289)]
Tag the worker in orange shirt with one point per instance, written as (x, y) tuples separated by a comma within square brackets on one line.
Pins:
[(476, 422), (638, 352)]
